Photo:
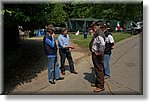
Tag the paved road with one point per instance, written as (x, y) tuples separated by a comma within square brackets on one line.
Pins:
[(126, 74)]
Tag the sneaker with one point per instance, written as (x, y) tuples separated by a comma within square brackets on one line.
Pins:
[(61, 78), (106, 77)]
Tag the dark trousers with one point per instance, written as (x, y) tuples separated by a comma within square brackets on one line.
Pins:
[(99, 70), (65, 53)]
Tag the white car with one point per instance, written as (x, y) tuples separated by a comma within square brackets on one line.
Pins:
[(135, 28), (140, 25)]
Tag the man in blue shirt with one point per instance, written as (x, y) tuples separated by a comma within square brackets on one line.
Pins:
[(50, 49), (64, 51)]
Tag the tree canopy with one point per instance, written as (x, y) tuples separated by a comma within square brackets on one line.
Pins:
[(34, 16)]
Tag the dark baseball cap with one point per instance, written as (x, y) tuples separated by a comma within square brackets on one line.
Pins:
[(99, 24), (50, 28)]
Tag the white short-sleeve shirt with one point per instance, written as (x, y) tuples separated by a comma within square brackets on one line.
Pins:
[(109, 39)]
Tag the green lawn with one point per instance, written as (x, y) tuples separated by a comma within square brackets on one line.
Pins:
[(120, 36), (79, 39)]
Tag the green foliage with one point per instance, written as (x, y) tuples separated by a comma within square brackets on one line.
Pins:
[(58, 15)]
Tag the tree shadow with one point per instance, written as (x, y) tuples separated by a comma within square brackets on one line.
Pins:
[(90, 77), (22, 64)]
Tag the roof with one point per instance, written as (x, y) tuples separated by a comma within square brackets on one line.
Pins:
[(87, 19)]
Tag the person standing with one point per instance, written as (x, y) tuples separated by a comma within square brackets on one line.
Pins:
[(64, 51), (50, 49), (109, 45), (97, 46)]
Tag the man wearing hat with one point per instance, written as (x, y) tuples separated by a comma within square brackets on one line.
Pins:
[(50, 49), (97, 46)]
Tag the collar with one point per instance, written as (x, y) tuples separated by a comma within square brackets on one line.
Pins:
[(48, 34), (64, 35)]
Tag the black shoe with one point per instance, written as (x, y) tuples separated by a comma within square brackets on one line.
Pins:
[(52, 82), (74, 72), (61, 78)]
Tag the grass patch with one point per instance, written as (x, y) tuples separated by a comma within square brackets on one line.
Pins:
[(80, 40), (121, 36)]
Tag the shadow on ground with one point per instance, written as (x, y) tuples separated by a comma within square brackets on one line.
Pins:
[(23, 63), (90, 77)]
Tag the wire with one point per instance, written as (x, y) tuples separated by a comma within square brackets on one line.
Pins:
[(109, 88)]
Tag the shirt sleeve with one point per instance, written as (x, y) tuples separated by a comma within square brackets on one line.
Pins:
[(100, 43), (111, 39), (101, 40), (60, 42), (50, 43), (68, 40)]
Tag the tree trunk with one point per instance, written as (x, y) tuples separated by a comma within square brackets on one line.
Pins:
[(31, 34)]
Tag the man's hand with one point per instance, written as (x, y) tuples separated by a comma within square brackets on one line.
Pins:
[(112, 47), (71, 47), (53, 35), (99, 53)]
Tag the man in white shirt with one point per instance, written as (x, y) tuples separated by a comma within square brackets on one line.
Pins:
[(97, 47)]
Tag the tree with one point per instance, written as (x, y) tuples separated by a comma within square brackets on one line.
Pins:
[(34, 16), (58, 15), (30, 16)]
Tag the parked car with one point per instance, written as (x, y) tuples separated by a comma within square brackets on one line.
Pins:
[(140, 24), (39, 32), (57, 30), (134, 28)]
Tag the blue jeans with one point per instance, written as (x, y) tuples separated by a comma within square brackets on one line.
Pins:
[(106, 64), (53, 71)]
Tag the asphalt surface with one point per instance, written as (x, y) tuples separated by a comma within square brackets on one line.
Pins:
[(126, 74)]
